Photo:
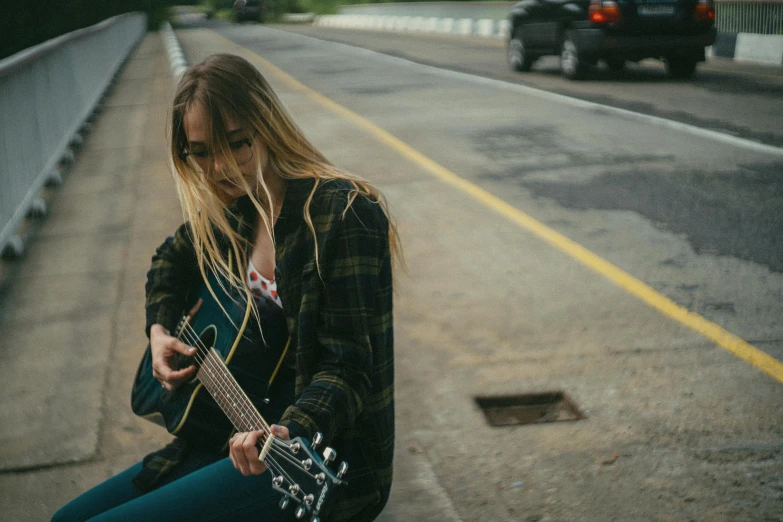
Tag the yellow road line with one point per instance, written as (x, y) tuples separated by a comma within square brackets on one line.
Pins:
[(723, 338)]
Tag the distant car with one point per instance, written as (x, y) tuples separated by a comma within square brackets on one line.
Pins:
[(583, 32), (249, 10)]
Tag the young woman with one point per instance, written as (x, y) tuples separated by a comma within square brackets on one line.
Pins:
[(312, 244)]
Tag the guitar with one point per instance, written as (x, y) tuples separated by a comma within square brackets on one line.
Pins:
[(227, 343)]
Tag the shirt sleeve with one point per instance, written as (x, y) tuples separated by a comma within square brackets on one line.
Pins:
[(173, 272), (351, 260)]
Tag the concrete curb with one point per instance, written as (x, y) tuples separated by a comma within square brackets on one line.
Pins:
[(174, 52), (748, 47)]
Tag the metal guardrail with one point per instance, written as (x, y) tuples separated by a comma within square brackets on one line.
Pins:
[(749, 17), (47, 93)]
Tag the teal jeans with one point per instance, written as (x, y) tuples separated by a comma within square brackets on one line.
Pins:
[(205, 486), (212, 492)]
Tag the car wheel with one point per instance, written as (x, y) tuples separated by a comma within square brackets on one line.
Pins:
[(615, 64), (518, 57), (572, 63), (680, 66)]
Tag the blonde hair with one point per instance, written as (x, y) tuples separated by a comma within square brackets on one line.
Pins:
[(227, 86)]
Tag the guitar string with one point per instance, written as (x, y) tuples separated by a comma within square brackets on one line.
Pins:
[(224, 384), (208, 361), (188, 329), (248, 406), (242, 417), (242, 422)]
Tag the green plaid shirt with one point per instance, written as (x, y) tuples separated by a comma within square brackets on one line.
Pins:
[(340, 322)]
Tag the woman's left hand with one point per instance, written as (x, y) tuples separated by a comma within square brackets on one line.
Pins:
[(244, 453)]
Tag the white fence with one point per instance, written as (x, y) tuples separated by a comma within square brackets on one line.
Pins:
[(733, 16), (47, 93)]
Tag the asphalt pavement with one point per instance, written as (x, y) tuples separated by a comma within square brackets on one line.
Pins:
[(676, 429)]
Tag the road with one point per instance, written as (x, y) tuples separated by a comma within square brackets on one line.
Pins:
[(740, 99), (479, 171)]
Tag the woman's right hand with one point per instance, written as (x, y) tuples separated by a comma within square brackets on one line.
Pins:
[(164, 350)]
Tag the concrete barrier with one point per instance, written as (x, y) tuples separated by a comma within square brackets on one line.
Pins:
[(444, 25), (298, 18), (739, 46), (765, 48), (761, 48), (464, 26), (483, 28), (47, 93), (504, 29)]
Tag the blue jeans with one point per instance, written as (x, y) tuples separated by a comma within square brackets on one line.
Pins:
[(211, 492)]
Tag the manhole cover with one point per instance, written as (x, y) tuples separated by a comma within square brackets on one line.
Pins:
[(529, 408)]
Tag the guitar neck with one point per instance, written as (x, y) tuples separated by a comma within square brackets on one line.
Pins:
[(234, 402)]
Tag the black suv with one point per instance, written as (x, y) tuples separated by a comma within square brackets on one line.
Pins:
[(585, 31), (249, 10)]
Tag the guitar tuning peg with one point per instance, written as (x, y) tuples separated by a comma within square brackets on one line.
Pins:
[(284, 503), (315, 519), (329, 455), (342, 470), (300, 512), (317, 439)]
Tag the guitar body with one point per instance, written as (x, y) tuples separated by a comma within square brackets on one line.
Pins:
[(190, 411), (241, 369)]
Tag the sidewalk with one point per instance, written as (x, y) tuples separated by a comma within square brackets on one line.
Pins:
[(73, 309), (72, 312)]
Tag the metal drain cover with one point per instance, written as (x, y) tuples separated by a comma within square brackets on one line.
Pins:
[(529, 408)]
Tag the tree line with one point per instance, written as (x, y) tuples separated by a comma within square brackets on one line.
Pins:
[(25, 23)]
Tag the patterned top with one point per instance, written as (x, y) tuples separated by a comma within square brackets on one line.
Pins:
[(340, 322), (261, 287)]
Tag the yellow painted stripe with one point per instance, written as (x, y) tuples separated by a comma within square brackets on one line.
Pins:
[(723, 338)]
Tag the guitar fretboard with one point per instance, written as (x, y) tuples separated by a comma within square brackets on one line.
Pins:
[(217, 379)]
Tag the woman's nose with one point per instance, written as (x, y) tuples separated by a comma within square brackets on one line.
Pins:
[(218, 163)]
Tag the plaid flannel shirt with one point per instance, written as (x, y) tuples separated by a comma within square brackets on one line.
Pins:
[(339, 321)]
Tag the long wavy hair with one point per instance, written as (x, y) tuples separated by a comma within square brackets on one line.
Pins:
[(227, 86)]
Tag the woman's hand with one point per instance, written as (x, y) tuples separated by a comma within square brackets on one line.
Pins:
[(164, 349), (244, 453)]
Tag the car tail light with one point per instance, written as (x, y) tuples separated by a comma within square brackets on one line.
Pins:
[(604, 12), (704, 11)]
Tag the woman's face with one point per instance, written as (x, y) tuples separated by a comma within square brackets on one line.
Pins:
[(247, 151)]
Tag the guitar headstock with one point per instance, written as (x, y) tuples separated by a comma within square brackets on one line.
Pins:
[(303, 476)]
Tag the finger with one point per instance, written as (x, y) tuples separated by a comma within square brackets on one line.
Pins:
[(259, 466), (251, 452), (179, 375), (231, 450), (238, 451), (168, 373), (161, 368), (178, 346), (281, 432)]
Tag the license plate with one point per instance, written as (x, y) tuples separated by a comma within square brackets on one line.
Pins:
[(655, 10)]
